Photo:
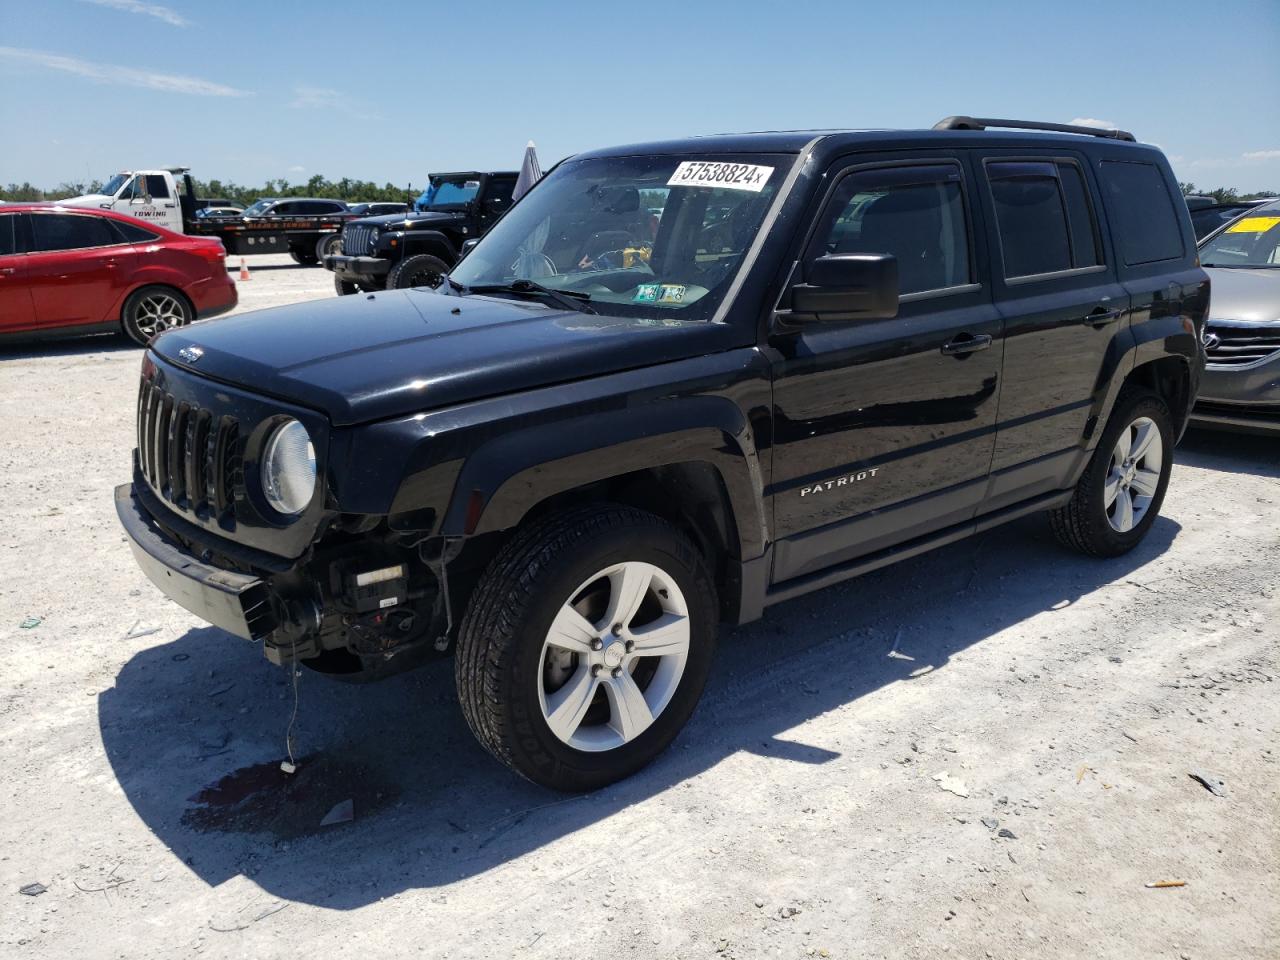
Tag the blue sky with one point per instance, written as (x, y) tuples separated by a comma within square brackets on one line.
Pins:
[(388, 90)]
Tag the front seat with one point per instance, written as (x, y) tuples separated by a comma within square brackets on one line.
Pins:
[(906, 223)]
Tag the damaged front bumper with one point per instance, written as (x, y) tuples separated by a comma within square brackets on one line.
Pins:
[(347, 607), (238, 603)]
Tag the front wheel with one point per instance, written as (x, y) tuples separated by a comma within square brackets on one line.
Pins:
[(1118, 497), (422, 270), (586, 646), (304, 258), (151, 311), (345, 288)]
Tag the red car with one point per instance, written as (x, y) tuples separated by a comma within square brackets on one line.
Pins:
[(65, 271)]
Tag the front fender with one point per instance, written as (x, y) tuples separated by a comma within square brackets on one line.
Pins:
[(480, 467), (414, 242), (511, 474)]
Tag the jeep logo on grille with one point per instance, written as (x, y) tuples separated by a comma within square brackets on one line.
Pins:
[(190, 354), (1211, 340)]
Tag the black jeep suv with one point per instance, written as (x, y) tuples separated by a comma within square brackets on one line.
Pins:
[(416, 249), (676, 383)]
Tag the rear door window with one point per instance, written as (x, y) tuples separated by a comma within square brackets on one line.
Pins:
[(1044, 217), (8, 240), (60, 231), (917, 214), (1144, 212)]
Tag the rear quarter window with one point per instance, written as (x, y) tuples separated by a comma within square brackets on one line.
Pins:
[(1143, 211)]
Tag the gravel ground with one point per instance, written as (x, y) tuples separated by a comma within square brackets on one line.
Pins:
[(984, 752)]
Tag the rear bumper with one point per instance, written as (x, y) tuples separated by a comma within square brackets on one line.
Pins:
[(358, 269), (236, 602)]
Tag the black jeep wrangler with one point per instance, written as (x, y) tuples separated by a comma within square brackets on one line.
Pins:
[(416, 249), (677, 383)]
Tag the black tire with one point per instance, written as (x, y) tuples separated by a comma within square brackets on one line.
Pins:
[(498, 667), (422, 270), (329, 245), (1083, 524), (345, 288), (303, 258), (149, 311)]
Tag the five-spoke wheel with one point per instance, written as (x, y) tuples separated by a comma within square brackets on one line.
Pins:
[(606, 674), (586, 644), (1118, 496)]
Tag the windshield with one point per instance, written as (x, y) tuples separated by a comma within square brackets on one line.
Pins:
[(112, 186), (256, 209), (1251, 242), (448, 192), (642, 236)]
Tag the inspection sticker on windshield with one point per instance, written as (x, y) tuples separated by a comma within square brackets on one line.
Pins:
[(730, 176), (659, 293), (1253, 225)]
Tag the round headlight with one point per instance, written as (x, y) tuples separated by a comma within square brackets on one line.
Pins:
[(289, 468), (374, 234)]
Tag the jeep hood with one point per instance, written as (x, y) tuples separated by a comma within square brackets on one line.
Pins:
[(371, 357), (402, 221), (1251, 296)]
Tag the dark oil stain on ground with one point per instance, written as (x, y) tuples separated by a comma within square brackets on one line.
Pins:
[(262, 798)]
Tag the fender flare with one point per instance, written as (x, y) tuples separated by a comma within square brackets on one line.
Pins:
[(512, 473), (433, 242)]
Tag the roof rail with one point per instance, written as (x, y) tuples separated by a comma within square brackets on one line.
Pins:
[(981, 123)]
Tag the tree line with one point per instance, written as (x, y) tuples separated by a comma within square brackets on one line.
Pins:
[(363, 191), (353, 191)]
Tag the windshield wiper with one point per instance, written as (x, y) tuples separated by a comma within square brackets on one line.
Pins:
[(569, 299)]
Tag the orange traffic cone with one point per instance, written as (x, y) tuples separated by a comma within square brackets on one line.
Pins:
[(244, 270)]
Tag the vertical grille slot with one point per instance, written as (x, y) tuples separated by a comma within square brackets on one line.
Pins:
[(197, 458), (224, 453), (154, 400), (160, 440), (177, 452)]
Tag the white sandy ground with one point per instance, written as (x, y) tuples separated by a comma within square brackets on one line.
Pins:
[(798, 815)]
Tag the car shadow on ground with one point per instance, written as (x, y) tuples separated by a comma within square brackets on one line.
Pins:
[(1231, 452), (195, 729), (69, 346)]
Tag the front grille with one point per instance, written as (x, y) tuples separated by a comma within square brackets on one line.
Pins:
[(355, 240), (1232, 346), (189, 456)]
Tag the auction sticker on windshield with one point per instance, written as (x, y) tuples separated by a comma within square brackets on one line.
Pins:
[(712, 173)]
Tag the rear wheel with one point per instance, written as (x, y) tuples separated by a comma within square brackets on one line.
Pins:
[(422, 270), (586, 646), (1119, 495), (151, 311), (329, 245)]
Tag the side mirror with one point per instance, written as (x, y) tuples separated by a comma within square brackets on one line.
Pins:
[(467, 246), (847, 286)]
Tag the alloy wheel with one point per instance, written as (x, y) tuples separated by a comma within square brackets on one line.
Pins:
[(614, 656), (158, 312), (1134, 474)]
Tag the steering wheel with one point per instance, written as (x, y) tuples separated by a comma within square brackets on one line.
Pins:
[(548, 266)]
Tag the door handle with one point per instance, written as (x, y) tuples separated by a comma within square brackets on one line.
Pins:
[(965, 344), (1100, 317)]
